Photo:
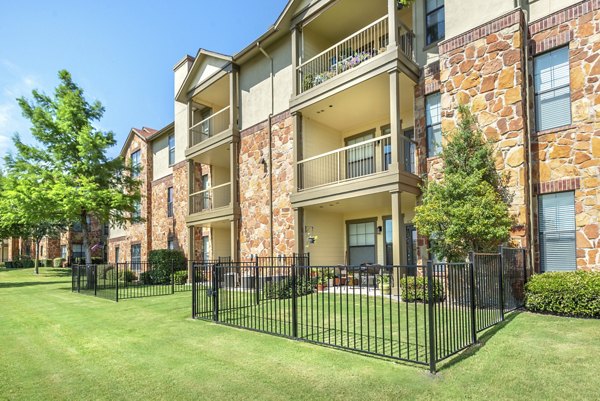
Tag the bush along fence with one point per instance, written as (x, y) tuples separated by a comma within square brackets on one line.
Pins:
[(422, 314), (125, 280)]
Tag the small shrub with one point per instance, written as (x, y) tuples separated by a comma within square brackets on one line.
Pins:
[(27, 263), (146, 278), (180, 277), (575, 294), (414, 289), (283, 288), (9, 264), (126, 276), (57, 262), (102, 271)]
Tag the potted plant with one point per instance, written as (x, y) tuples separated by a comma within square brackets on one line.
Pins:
[(383, 281), (322, 282)]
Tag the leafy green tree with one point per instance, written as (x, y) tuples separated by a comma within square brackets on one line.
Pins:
[(80, 179), (24, 205), (468, 209)]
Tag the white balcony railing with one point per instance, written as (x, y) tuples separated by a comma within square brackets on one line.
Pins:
[(354, 161), (211, 198), (367, 43), (209, 127)]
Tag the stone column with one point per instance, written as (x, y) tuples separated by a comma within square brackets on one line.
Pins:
[(235, 242), (190, 249)]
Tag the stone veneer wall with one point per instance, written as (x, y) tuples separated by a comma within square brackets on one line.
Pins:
[(568, 158), (484, 68), (254, 188), (139, 233)]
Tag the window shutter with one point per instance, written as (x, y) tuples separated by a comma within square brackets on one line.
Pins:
[(557, 231)]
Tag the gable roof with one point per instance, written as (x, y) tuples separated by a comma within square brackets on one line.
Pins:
[(202, 55), (143, 133)]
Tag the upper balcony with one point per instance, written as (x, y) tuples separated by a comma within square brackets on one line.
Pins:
[(209, 90), (347, 43)]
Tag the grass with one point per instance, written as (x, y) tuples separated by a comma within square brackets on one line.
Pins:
[(56, 345)]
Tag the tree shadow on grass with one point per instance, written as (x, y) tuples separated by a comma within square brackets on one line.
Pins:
[(482, 339)]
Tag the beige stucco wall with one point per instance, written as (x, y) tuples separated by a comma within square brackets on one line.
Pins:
[(180, 113), (208, 67), (160, 151), (255, 84)]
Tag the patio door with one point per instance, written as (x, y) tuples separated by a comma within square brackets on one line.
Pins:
[(411, 243), (205, 127), (360, 160), (205, 248), (362, 242)]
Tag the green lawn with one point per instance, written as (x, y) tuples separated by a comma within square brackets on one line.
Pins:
[(59, 345)]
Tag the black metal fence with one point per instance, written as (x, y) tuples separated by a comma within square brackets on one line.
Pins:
[(125, 280), (422, 314)]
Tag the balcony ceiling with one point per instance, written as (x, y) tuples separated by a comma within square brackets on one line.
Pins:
[(218, 157), (215, 96), (363, 103), (362, 204), (345, 18)]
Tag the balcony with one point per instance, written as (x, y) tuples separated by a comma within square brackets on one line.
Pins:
[(353, 162), (210, 132), (211, 204), (361, 47)]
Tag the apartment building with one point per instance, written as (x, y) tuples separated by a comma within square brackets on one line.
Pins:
[(67, 245), (317, 136)]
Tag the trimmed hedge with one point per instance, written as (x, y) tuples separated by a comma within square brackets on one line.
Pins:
[(414, 289), (575, 294), (180, 277), (57, 262), (283, 288), (161, 262), (124, 276)]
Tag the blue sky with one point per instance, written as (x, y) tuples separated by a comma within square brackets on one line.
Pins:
[(121, 52)]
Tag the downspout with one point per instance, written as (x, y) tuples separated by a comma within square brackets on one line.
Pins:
[(532, 235), (269, 123)]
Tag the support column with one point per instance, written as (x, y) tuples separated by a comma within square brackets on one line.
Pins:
[(396, 123), (299, 230), (191, 184), (295, 61), (190, 249), (392, 23), (298, 146), (235, 241), (398, 239), (233, 99)]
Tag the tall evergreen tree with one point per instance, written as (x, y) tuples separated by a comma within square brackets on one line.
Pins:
[(468, 209), (78, 177)]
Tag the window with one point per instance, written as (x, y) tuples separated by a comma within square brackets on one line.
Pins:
[(117, 254), (77, 251), (42, 250), (136, 163), (361, 243), (171, 150), (77, 227), (170, 202), (205, 248), (137, 212), (170, 242), (136, 258), (106, 228), (206, 194), (556, 216), (435, 21), (63, 252), (552, 89), (433, 124), (360, 159)]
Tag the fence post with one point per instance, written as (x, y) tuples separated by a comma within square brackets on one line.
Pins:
[(172, 277), (256, 282), (501, 282), (473, 307), (95, 279), (117, 285), (431, 307), (294, 303), (194, 300), (215, 293)]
